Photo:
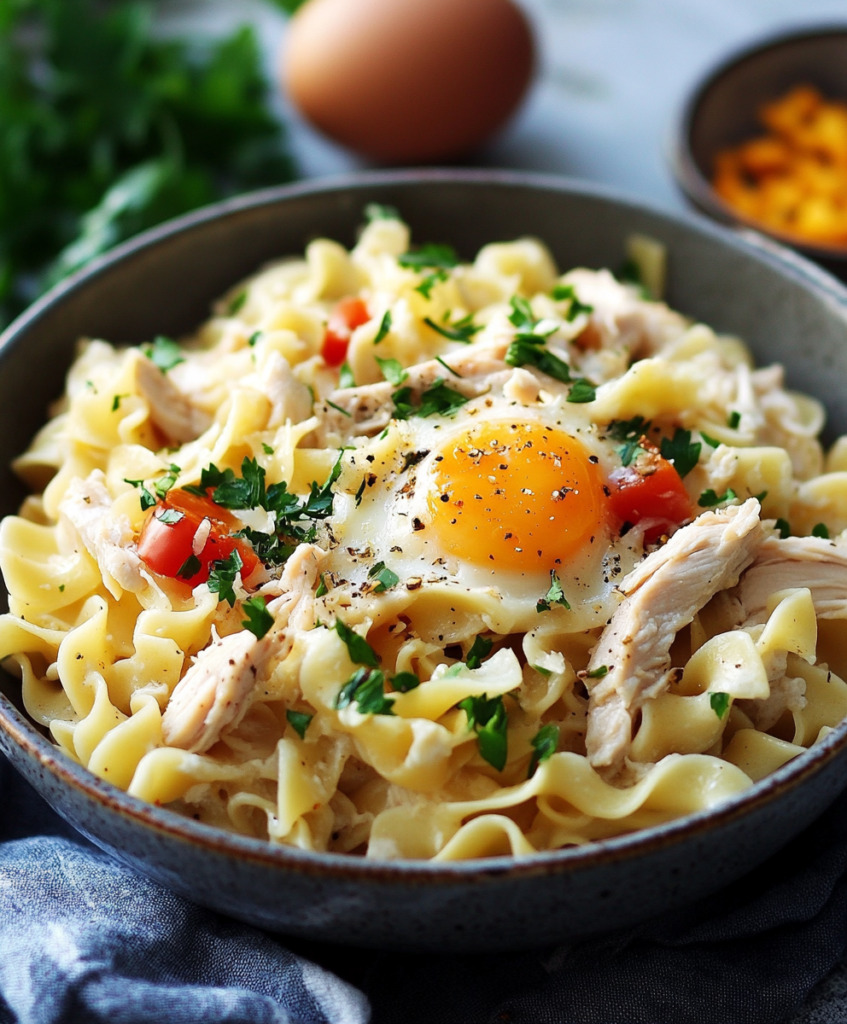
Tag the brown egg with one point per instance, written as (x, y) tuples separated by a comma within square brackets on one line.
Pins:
[(408, 81)]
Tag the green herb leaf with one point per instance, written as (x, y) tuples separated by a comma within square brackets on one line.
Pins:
[(719, 703), (367, 688), (481, 649), (360, 492), (680, 451), (338, 408), (116, 402), (360, 651), (544, 744), (222, 574), (259, 620), (555, 595), (267, 449), (582, 391), (565, 292), (708, 499), (164, 353), (322, 587), (384, 327), (429, 282), (784, 528), (434, 257), (392, 370), (598, 673), (254, 337), (522, 316), (237, 303), (440, 400), (299, 722), (169, 516), (733, 420), (386, 579), (380, 211), (166, 482), (711, 441), (345, 376), (462, 330), (146, 498), (448, 367), (405, 681), (526, 352), (821, 530), (630, 432), (488, 718), (189, 568)]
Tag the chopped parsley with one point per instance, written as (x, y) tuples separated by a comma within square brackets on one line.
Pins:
[(710, 441), (708, 499), (719, 703), (784, 528), (322, 587), (381, 211), (360, 651), (529, 350), (555, 595), (481, 649), (345, 376), (189, 568), (680, 451), (164, 353), (384, 327), (461, 330), (361, 491), (222, 575), (631, 433), (267, 449), (166, 482), (438, 400), (338, 408), (489, 720), (116, 402), (448, 367), (237, 303), (582, 391), (598, 673), (169, 516), (522, 316), (733, 420), (405, 681), (385, 578), (299, 721), (820, 530), (254, 337), (565, 292), (544, 744), (392, 370), (367, 688), (146, 498), (259, 620), (430, 257)]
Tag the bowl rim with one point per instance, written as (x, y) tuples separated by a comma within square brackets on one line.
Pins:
[(689, 177), (41, 753)]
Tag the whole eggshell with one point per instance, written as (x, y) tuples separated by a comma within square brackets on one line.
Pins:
[(408, 81)]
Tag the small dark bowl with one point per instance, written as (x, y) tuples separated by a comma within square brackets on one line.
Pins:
[(163, 282), (722, 112)]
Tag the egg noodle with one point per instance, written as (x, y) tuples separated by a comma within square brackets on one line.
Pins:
[(410, 558)]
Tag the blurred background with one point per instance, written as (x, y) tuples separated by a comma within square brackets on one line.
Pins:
[(117, 114)]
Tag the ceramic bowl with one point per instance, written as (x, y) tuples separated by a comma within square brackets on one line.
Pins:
[(163, 282), (722, 112)]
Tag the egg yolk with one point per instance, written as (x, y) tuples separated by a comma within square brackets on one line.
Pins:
[(516, 496)]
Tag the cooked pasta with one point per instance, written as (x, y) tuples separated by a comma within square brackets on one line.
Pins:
[(409, 558)]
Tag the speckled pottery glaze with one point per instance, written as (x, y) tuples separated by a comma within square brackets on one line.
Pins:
[(163, 282)]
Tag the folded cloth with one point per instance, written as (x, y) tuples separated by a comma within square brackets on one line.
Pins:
[(84, 940)]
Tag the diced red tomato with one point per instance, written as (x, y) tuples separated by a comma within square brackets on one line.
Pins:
[(349, 314), (658, 494), (166, 546)]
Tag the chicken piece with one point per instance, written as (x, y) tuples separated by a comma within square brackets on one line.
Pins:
[(662, 595), (87, 507), (290, 399), (214, 693), (294, 592), (787, 694), (820, 565), (170, 409)]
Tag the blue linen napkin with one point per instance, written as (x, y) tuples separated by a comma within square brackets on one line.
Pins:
[(84, 939)]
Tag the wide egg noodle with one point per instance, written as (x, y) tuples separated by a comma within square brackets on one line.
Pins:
[(98, 662)]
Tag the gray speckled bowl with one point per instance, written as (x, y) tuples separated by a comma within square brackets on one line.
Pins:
[(163, 283)]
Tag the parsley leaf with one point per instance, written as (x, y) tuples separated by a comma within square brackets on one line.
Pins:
[(555, 595), (429, 282), (448, 367), (489, 720), (544, 744), (524, 351), (437, 400), (222, 575), (344, 412), (116, 402), (820, 530), (345, 376), (259, 620), (521, 316), (430, 257), (582, 391), (166, 482), (146, 498), (384, 327), (598, 673), (565, 292), (708, 499), (254, 337), (237, 303), (322, 587), (299, 722), (386, 579), (170, 516), (733, 420), (189, 568), (719, 703), (784, 528), (461, 330), (630, 432), (246, 491), (481, 649), (680, 451), (164, 353), (405, 681), (710, 441), (367, 688), (392, 370), (360, 651), (267, 449)]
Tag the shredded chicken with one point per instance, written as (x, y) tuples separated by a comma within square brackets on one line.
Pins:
[(787, 693), (294, 592), (87, 508), (290, 399), (170, 409), (662, 595), (820, 565), (214, 693)]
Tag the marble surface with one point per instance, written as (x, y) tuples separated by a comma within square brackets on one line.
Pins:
[(612, 78)]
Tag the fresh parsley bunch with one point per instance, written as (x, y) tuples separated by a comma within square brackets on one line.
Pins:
[(106, 130)]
